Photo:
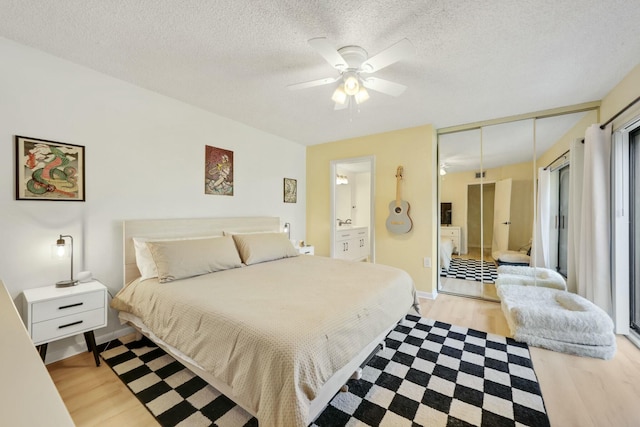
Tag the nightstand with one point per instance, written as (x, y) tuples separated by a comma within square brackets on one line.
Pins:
[(52, 314), (305, 250)]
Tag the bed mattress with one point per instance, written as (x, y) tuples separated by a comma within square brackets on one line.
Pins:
[(274, 332)]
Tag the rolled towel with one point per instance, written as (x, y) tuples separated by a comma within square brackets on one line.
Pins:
[(530, 276)]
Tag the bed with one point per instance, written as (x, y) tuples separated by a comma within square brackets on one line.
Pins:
[(277, 333), (446, 252)]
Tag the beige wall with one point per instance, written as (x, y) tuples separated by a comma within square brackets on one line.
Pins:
[(622, 94), (564, 143), (413, 148)]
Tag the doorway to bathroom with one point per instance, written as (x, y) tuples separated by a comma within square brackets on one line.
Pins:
[(352, 231)]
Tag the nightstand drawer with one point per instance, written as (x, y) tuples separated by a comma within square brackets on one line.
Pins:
[(66, 306), (446, 232), (53, 329)]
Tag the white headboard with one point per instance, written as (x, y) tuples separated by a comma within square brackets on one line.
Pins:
[(171, 228)]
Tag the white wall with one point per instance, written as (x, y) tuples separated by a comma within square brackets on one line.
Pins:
[(144, 159)]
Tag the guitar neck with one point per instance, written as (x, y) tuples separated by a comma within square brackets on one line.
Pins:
[(398, 186)]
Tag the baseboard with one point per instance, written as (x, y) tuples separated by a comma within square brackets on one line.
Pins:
[(80, 346), (634, 338), (427, 295)]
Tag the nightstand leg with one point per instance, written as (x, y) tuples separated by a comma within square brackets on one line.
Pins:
[(42, 349), (91, 345)]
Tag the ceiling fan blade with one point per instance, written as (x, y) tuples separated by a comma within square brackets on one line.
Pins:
[(383, 86), (403, 49), (312, 83), (339, 106), (328, 52)]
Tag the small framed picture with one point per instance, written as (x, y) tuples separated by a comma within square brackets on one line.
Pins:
[(290, 190), (218, 171), (49, 170)]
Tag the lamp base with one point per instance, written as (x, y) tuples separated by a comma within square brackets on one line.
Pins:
[(66, 283)]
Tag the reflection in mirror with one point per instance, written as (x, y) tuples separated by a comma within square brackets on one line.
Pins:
[(352, 234), (551, 249), (489, 179)]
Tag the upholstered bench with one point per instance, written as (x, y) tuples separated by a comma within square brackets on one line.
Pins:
[(530, 276), (557, 320)]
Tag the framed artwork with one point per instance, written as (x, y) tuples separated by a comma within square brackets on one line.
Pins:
[(290, 190), (218, 171), (49, 170)]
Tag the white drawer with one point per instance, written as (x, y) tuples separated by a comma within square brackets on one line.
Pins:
[(66, 306), (447, 232), (60, 327), (344, 235)]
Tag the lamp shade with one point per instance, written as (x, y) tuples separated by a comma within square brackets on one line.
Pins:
[(351, 84), (61, 251), (362, 95), (339, 96)]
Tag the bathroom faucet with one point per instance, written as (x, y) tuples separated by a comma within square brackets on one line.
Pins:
[(341, 222)]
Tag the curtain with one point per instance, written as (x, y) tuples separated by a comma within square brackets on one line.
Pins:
[(594, 266), (543, 220), (574, 216)]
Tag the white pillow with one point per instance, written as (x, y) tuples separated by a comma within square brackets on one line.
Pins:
[(144, 260), (260, 247), (180, 259)]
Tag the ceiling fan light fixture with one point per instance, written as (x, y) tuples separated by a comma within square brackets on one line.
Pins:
[(362, 95), (339, 95), (351, 83)]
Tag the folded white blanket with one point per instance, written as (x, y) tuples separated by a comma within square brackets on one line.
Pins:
[(530, 276)]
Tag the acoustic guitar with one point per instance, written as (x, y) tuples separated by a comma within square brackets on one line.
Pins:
[(398, 221)]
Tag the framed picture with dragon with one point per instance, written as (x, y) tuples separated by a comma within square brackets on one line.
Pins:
[(49, 170)]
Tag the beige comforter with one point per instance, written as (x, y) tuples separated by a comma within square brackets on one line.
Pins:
[(275, 331)]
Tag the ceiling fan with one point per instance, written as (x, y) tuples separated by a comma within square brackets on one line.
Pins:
[(355, 69)]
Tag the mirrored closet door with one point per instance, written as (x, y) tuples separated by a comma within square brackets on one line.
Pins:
[(488, 194), (486, 180)]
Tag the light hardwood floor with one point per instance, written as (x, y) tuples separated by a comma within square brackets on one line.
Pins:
[(578, 392)]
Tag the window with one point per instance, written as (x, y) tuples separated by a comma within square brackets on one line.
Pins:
[(634, 229), (562, 216), (626, 229)]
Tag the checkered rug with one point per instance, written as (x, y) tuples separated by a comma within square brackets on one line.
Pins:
[(430, 374), (470, 269)]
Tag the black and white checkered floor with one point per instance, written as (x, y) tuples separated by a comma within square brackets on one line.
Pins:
[(430, 374), (471, 269)]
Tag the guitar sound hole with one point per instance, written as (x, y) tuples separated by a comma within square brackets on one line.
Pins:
[(398, 210)]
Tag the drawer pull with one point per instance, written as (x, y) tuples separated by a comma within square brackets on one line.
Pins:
[(70, 324), (70, 305)]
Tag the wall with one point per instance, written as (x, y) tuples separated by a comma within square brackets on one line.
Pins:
[(361, 214), (413, 148), (620, 96), (564, 143), (144, 159)]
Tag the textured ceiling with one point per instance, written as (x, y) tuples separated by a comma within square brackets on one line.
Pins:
[(474, 60)]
